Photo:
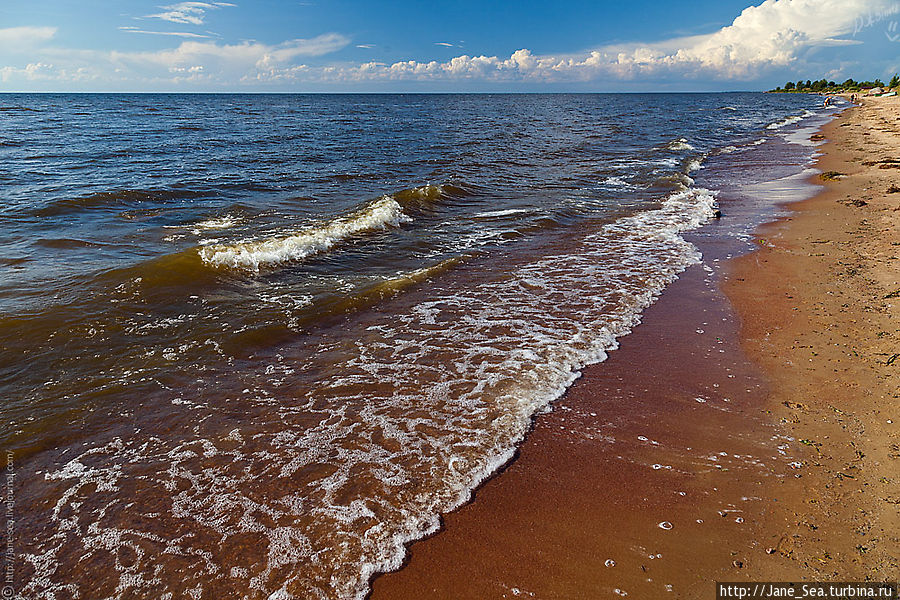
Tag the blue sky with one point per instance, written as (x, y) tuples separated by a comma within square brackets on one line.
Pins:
[(354, 45)]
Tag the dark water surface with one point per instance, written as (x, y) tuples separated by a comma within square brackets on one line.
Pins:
[(251, 345)]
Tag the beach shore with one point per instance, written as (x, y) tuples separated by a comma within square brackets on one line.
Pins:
[(747, 430)]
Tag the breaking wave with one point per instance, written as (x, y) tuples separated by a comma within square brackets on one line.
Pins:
[(252, 255), (790, 120), (678, 145)]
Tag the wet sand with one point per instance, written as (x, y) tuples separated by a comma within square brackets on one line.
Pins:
[(747, 430)]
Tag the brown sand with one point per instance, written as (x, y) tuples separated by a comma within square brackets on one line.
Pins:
[(713, 445), (821, 310)]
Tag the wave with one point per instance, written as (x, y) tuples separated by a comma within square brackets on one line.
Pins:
[(386, 288), (67, 243), (14, 261), (427, 198), (114, 199), (252, 255), (678, 145), (225, 222), (790, 120), (494, 214), (672, 181), (617, 182), (381, 214)]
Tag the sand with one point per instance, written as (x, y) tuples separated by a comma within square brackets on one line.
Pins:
[(821, 314), (747, 430)]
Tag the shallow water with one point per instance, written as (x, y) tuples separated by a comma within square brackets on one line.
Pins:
[(251, 345)]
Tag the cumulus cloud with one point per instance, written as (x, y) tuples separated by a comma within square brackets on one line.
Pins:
[(30, 72), (764, 38), (189, 13), (771, 35)]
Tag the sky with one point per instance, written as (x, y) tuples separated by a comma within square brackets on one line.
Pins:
[(441, 46)]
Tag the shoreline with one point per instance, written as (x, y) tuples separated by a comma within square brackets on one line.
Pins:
[(832, 264), (678, 461)]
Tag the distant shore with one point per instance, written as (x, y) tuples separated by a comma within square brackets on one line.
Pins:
[(765, 448)]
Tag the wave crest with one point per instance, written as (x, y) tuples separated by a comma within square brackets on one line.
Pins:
[(790, 120), (679, 145), (378, 215)]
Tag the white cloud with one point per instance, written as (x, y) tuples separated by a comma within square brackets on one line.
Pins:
[(184, 34), (18, 37), (228, 60), (448, 44), (31, 71), (48, 72), (192, 61), (189, 13), (773, 34), (776, 34)]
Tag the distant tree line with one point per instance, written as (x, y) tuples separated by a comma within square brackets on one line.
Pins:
[(825, 86)]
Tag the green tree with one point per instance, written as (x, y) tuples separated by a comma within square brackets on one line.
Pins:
[(879, 83), (789, 85), (895, 81)]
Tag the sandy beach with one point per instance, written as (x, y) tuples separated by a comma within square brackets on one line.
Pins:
[(747, 430), (819, 305)]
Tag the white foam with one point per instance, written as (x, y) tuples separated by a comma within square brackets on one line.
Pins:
[(225, 222), (491, 354), (381, 214), (679, 144), (790, 120), (617, 181), (502, 213)]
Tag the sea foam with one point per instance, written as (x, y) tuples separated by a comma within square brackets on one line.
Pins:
[(315, 239), (790, 120), (490, 355)]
